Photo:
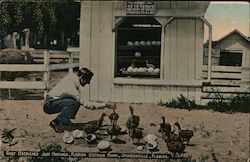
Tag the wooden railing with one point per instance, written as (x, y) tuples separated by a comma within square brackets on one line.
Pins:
[(46, 68), (226, 81), (56, 56)]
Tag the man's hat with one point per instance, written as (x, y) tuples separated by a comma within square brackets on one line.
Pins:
[(85, 72)]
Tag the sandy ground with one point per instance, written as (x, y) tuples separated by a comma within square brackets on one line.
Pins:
[(216, 135)]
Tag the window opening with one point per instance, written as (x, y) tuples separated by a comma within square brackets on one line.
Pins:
[(230, 58), (138, 48)]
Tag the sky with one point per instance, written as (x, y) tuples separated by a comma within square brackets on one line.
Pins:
[(227, 16)]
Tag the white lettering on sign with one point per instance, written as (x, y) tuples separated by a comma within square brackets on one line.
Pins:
[(140, 8)]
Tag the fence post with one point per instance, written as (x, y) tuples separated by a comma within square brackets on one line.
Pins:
[(245, 79), (46, 74), (70, 61)]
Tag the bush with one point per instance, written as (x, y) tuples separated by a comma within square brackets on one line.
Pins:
[(239, 103), (181, 102)]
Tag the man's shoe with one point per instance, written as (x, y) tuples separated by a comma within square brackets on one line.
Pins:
[(56, 126), (68, 127)]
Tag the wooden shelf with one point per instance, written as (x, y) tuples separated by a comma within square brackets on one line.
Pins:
[(140, 73), (141, 28), (138, 58), (152, 47)]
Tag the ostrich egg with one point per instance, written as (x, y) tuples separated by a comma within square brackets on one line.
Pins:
[(150, 69), (130, 69), (136, 43), (136, 69), (67, 137), (156, 70), (77, 133), (129, 43), (103, 145), (148, 43)]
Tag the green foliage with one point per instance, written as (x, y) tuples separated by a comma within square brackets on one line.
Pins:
[(52, 15), (47, 20), (38, 18), (7, 137), (5, 19), (18, 13), (181, 102), (238, 103), (203, 158), (218, 103)]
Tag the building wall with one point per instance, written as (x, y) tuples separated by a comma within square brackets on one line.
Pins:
[(151, 94), (183, 49), (182, 56)]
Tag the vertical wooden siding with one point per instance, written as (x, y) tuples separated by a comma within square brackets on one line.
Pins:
[(152, 94), (101, 50), (182, 54), (95, 50), (183, 49), (85, 41), (199, 36), (106, 51)]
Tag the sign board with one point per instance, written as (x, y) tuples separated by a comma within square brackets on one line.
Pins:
[(140, 8)]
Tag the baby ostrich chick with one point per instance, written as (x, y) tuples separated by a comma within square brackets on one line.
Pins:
[(176, 147), (133, 120), (186, 135), (114, 116), (171, 137), (93, 126), (114, 129), (164, 127), (136, 133)]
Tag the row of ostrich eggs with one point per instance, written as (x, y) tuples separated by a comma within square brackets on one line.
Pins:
[(143, 43), (142, 69)]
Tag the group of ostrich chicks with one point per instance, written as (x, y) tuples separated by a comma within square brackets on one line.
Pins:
[(174, 138)]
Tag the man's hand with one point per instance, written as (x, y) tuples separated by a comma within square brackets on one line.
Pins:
[(109, 105), (90, 107), (98, 105)]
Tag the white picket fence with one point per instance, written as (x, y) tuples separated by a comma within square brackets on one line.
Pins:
[(46, 68)]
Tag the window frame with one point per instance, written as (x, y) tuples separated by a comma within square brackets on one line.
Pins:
[(234, 52), (167, 16), (117, 24)]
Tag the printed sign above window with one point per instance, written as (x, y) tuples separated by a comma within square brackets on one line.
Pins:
[(140, 8)]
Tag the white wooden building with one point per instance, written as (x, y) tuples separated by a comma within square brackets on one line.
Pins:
[(232, 49), (168, 34), (230, 60)]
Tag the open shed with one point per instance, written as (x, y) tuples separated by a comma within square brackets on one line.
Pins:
[(143, 51), (230, 60), (232, 49)]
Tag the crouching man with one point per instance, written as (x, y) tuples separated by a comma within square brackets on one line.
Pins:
[(64, 99)]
